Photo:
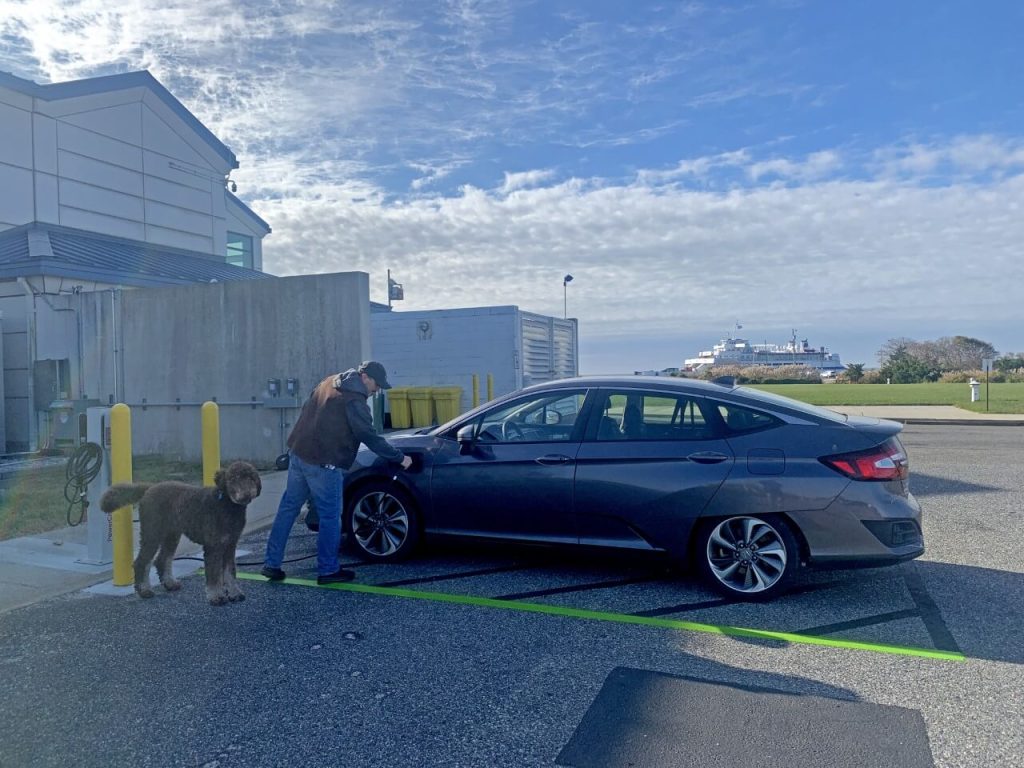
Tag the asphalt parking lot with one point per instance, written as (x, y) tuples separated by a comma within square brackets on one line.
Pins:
[(489, 655)]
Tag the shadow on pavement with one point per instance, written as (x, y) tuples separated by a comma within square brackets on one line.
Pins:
[(922, 484)]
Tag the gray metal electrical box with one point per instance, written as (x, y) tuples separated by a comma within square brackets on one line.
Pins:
[(51, 381), (66, 424)]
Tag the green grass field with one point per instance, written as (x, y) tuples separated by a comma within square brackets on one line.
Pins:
[(1003, 398), (33, 501)]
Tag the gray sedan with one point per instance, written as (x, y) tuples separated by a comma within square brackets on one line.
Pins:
[(748, 486)]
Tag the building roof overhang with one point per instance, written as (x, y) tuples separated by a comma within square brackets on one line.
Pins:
[(51, 250)]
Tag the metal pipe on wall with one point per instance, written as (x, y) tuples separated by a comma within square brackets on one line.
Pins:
[(118, 363), (33, 426)]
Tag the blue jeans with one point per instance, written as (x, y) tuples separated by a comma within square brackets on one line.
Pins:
[(324, 486)]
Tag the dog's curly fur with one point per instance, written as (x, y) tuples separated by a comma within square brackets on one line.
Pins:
[(212, 516)]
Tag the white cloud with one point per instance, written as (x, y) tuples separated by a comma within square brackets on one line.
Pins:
[(653, 260), (514, 181), (698, 168), (817, 165), (963, 156)]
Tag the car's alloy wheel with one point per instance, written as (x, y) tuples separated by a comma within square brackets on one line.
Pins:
[(750, 558), (383, 522)]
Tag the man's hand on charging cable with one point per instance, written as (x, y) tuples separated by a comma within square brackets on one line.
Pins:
[(406, 462)]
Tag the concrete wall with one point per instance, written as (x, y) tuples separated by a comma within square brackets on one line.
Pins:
[(223, 341), (120, 163)]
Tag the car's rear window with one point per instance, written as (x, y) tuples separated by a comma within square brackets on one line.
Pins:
[(770, 398)]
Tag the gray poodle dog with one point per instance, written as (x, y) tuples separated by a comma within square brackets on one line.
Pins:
[(213, 517)]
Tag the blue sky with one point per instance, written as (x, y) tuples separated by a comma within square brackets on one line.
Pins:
[(853, 170)]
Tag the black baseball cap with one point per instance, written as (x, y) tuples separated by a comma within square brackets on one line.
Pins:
[(375, 371)]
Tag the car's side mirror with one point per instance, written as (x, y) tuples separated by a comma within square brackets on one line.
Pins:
[(467, 438)]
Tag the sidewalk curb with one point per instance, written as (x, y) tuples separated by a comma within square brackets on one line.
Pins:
[(961, 422)]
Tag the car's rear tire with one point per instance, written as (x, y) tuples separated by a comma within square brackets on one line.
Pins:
[(382, 521), (748, 557)]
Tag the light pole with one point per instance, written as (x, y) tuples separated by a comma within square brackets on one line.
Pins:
[(565, 296)]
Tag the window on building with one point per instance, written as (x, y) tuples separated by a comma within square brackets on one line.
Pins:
[(239, 250)]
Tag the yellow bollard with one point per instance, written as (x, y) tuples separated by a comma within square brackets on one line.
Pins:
[(476, 390), (211, 441), (490, 387), (121, 472)]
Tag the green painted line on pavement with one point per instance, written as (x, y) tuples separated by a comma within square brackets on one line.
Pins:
[(622, 618)]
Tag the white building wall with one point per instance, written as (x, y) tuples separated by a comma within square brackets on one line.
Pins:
[(15, 196), (120, 163), (16, 148), (15, 159), (445, 347)]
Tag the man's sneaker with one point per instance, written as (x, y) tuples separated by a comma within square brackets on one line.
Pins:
[(274, 574), (336, 578)]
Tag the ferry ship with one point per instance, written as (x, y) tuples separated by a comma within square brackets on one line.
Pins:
[(740, 352)]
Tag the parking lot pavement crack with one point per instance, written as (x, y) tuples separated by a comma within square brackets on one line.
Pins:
[(867, 621), (684, 607), (720, 602), (449, 576), (577, 588)]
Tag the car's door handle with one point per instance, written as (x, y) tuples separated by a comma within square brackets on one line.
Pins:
[(553, 458), (707, 457)]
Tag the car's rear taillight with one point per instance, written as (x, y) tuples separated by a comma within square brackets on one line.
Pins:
[(886, 461)]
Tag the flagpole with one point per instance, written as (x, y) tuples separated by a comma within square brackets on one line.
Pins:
[(389, 289)]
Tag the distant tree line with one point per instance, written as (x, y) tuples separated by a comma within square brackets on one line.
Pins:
[(906, 361), (951, 359)]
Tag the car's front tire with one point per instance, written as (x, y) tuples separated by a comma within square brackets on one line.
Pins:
[(748, 557), (383, 522)]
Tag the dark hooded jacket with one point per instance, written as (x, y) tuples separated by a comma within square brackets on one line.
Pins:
[(334, 421)]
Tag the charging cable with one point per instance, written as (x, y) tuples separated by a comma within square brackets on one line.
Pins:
[(82, 467)]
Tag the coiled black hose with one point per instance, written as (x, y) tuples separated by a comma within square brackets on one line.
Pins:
[(82, 467)]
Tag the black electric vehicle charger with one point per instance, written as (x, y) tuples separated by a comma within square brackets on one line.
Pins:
[(82, 468)]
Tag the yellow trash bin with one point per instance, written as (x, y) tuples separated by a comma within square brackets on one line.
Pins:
[(401, 416), (422, 406), (446, 402)]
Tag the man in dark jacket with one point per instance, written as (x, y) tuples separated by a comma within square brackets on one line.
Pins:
[(323, 444)]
